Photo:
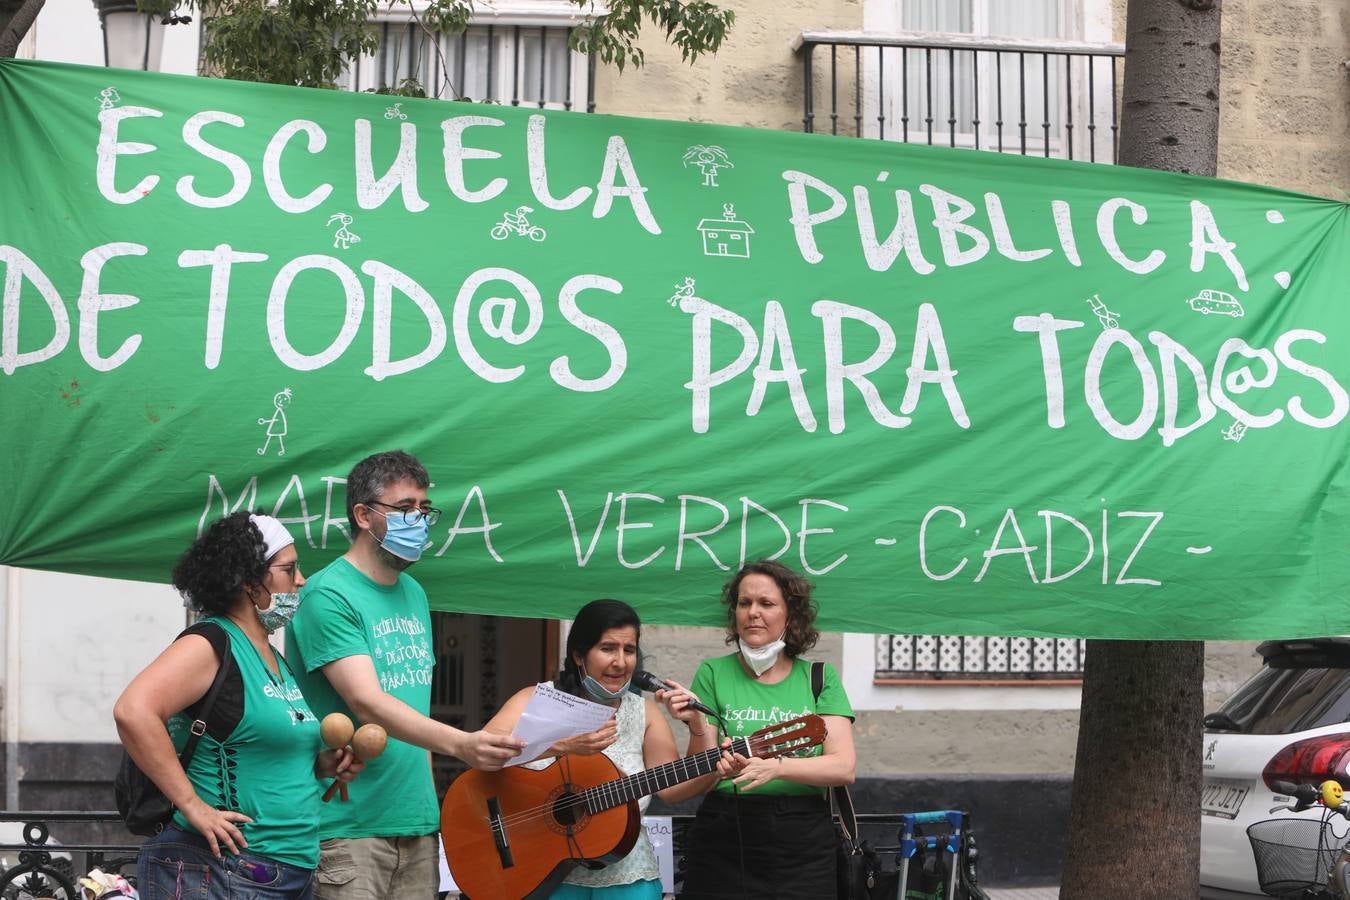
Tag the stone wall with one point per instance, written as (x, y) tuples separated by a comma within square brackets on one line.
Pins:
[(1286, 96)]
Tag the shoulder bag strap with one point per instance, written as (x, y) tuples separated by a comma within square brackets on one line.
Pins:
[(199, 724), (841, 803)]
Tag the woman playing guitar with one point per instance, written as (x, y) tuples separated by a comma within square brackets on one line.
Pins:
[(602, 655)]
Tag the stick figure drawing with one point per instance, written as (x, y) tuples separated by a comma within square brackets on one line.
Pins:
[(708, 159), (276, 426), (344, 237)]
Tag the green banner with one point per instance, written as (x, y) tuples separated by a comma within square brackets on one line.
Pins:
[(967, 392)]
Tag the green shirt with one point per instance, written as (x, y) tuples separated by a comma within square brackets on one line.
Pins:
[(747, 705), (265, 767), (343, 613)]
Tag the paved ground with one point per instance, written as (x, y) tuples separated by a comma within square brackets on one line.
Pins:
[(1037, 893)]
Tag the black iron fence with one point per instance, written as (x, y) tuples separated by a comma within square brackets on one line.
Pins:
[(35, 864), (1051, 98)]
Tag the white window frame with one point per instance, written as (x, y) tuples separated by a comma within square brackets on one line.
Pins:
[(504, 16)]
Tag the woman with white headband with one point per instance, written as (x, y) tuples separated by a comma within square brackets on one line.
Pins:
[(246, 809)]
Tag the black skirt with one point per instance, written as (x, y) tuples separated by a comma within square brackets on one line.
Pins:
[(760, 848)]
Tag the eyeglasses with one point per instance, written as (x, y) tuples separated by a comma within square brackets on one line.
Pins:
[(413, 514), (289, 568)]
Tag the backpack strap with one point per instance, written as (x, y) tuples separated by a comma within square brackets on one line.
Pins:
[(841, 803), (220, 642)]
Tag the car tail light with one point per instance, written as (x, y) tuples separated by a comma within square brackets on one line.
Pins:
[(1311, 761)]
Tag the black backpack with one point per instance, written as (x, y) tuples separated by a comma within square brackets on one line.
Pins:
[(143, 806)]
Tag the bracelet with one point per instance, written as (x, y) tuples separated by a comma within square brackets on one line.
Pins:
[(697, 733)]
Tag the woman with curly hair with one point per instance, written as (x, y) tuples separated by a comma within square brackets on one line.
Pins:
[(252, 786), (764, 829)]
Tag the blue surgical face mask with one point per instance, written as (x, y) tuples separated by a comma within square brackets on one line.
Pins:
[(403, 540), (280, 612), (598, 692)]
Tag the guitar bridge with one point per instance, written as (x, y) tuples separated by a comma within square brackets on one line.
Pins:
[(499, 833)]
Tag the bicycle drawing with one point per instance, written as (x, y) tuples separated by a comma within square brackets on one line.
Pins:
[(518, 223), (395, 112)]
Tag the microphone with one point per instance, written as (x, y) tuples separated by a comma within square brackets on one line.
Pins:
[(649, 682)]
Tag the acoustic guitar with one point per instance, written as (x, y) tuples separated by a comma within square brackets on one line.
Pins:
[(516, 833)]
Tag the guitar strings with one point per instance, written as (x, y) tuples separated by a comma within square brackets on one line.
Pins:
[(753, 744), (547, 810)]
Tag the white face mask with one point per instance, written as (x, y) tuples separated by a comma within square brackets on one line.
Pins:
[(761, 659)]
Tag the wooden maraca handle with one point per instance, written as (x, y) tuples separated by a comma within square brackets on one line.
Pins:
[(368, 742)]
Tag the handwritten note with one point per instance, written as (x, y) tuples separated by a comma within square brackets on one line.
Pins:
[(552, 715)]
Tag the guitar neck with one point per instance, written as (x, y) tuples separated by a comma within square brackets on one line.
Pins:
[(649, 781)]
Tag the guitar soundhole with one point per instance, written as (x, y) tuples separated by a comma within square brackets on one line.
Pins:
[(569, 810)]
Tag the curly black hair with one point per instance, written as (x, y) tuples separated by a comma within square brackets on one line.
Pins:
[(228, 557), (801, 632)]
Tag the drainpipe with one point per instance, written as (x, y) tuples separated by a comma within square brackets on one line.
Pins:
[(13, 622)]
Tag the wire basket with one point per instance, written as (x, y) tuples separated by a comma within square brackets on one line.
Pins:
[(1293, 855)]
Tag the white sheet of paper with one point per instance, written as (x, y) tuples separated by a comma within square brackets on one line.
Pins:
[(552, 715)]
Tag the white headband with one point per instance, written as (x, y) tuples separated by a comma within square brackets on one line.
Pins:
[(274, 534)]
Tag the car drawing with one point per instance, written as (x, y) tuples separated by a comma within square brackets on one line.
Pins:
[(1216, 302)]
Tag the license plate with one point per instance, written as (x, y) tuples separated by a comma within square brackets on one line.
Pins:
[(1223, 797)]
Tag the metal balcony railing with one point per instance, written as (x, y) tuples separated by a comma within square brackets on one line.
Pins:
[(1051, 98)]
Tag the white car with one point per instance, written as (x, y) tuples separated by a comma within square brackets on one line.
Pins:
[(1288, 722)]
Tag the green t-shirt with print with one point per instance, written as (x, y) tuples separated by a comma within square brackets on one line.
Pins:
[(747, 705), (265, 767), (344, 613)]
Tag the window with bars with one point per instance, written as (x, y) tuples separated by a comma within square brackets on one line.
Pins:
[(523, 65), (926, 657)]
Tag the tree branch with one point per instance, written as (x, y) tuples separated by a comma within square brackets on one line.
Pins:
[(15, 20)]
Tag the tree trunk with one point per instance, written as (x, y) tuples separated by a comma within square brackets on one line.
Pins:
[(16, 17), (1134, 824)]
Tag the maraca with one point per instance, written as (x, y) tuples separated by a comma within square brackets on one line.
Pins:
[(336, 730), (368, 743)]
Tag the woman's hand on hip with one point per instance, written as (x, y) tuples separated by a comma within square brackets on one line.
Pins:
[(220, 827)]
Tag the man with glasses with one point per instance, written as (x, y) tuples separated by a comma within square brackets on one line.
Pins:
[(361, 645)]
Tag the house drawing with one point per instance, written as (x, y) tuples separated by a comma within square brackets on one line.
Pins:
[(727, 236)]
